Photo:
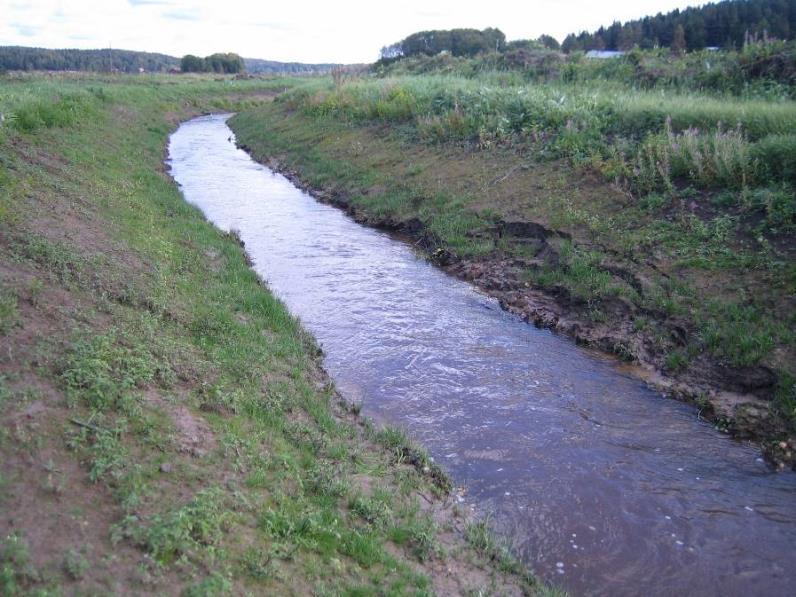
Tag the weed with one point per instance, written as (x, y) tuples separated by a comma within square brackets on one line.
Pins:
[(214, 585), (375, 512), (676, 360), (194, 530), (17, 573), (481, 538), (785, 398), (75, 564), (9, 314), (326, 481), (740, 333), (102, 372), (258, 564), (34, 292), (403, 450), (5, 393), (419, 534)]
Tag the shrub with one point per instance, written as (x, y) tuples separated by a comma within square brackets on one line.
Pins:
[(777, 156)]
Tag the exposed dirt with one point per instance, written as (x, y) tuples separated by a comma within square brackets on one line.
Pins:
[(736, 399)]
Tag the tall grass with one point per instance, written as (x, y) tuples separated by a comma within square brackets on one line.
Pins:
[(473, 107), (716, 159), (649, 138)]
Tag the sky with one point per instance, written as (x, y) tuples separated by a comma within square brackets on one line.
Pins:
[(346, 31)]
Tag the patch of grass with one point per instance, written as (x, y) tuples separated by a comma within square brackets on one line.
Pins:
[(741, 333), (404, 450), (214, 585), (677, 360), (56, 258), (418, 533), (194, 530), (374, 511), (9, 313), (17, 573), (102, 372), (483, 540), (75, 564), (785, 398), (258, 564)]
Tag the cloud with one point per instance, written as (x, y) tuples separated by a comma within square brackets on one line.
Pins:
[(181, 15), (149, 2), (274, 26), (26, 30)]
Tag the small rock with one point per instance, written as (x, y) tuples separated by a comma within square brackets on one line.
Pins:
[(167, 467)]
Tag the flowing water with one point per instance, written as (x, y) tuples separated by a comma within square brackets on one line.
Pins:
[(603, 486)]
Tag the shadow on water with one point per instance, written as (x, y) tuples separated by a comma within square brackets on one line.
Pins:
[(602, 485)]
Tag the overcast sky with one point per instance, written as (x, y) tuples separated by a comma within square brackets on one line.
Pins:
[(294, 30)]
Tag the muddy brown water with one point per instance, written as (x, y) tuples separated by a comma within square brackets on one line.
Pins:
[(602, 485)]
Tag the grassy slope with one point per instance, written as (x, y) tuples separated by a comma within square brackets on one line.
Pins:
[(693, 279), (166, 425)]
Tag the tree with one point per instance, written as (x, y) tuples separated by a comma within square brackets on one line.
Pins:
[(678, 40), (192, 64), (721, 24), (549, 42), (459, 42), (224, 63), (215, 63)]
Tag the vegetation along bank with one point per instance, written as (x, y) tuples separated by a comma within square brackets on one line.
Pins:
[(165, 425)]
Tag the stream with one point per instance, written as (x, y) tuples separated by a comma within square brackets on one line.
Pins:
[(601, 485)]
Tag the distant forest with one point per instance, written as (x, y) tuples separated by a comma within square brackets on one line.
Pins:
[(128, 61), (257, 66), (725, 25)]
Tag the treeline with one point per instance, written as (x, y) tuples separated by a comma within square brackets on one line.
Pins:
[(257, 66), (727, 24), (459, 42), (23, 58), (15, 58), (215, 63)]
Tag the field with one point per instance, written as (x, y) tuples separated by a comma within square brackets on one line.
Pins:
[(166, 425), (655, 219)]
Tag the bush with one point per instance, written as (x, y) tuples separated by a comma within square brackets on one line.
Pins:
[(777, 156), (779, 205)]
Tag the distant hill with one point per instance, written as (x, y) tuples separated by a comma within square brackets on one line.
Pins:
[(722, 24), (129, 61)]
